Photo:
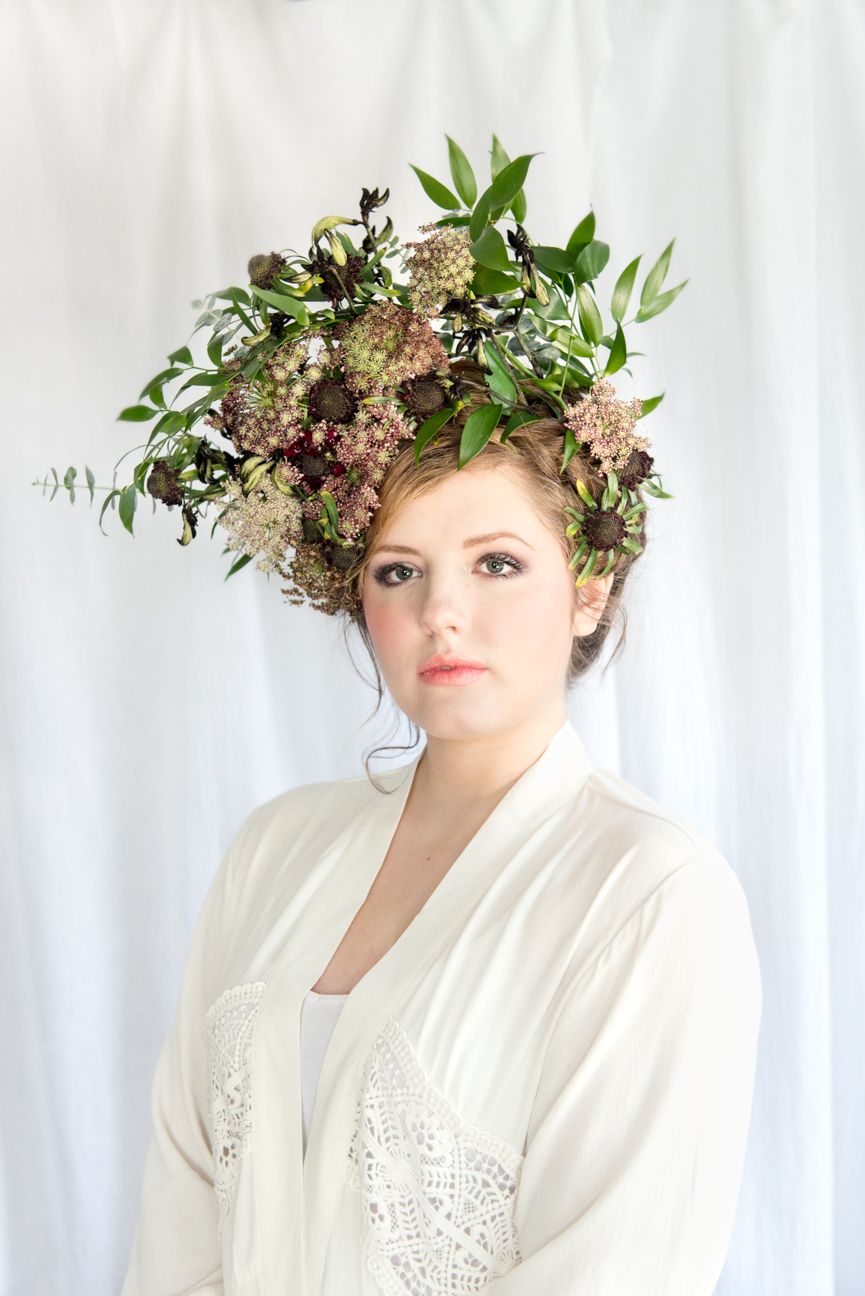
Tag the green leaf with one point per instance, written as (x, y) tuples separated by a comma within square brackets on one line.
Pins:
[(128, 499), (499, 381), (518, 206), (585, 494), (137, 414), (172, 421), (509, 181), (490, 283), (236, 566), (570, 448), (570, 341), (182, 356), (578, 553), (656, 276), (287, 305), (590, 262), (650, 403), (481, 215), (430, 427), (214, 349), (583, 234), (499, 159), (577, 372), (618, 352), (109, 499), (588, 569), (490, 250), (206, 379), (160, 380), (462, 174), (91, 481), (154, 393), (330, 508), (554, 260), (440, 194), (518, 419), (590, 316), (457, 221), (233, 295), (479, 427), (623, 289), (239, 311), (659, 303), (611, 562)]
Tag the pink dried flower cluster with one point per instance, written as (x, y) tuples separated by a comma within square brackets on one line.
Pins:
[(384, 346), (441, 267), (363, 449), (262, 416), (606, 424)]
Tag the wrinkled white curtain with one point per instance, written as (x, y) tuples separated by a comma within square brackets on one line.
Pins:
[(147, 705)]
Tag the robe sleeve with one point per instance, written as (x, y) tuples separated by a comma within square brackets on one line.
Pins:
[(175, 1248), (638, 1129)]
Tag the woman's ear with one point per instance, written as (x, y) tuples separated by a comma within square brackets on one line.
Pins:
[(594, 596)]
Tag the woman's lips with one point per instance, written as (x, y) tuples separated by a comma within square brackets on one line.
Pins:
[(457, 675)]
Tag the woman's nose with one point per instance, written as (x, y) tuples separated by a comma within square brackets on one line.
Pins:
[(444, 601)]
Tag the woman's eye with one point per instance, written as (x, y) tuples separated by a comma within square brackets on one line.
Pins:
[(497, 560)]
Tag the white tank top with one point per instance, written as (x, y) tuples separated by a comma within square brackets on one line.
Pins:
[(317, 1019)]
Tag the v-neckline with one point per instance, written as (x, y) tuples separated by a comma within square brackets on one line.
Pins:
[(562, 764), (547, 784)]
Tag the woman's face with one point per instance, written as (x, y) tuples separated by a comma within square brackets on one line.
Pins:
[(432, 585)]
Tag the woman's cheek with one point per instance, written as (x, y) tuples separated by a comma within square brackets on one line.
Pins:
[(385, 626)]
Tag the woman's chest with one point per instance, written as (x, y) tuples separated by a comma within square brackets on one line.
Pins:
[(416, 863)]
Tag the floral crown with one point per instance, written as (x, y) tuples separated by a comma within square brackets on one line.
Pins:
[(325, 367)]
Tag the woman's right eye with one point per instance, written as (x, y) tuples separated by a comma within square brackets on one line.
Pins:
[(383, 572)]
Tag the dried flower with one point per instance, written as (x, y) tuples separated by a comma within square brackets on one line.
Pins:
[(386, 345), (265, 268), (441, 267), (604, 528), (606, 424), (164, 483), (424, 396), (267, 521)]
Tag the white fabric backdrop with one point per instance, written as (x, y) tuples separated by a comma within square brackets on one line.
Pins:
[(147, 706)]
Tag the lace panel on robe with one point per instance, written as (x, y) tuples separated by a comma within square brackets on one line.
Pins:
[(229, 1026), (437, 1195)]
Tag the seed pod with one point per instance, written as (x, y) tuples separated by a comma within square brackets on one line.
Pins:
[(338, 252), (540, 288)]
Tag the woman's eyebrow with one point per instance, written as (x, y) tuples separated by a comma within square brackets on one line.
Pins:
[(481, 539)]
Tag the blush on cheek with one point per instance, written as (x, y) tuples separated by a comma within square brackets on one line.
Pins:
[(385, 627)]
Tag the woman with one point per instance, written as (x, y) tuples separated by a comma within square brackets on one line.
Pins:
[(487, 1022)]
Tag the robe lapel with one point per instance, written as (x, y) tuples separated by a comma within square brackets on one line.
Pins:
[(306, 1193)]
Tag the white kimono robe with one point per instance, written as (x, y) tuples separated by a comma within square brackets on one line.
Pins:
[(542, 1089)]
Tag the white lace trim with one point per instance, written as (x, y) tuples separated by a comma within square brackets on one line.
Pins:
[(437, 1195), (229, 1025)]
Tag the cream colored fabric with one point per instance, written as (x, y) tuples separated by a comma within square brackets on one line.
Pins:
[(543, 1087), (317, 1020)]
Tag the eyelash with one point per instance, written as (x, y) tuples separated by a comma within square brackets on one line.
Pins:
[(383, 572)]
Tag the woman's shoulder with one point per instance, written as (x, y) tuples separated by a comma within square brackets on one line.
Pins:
[(649, 886), (325, 805), (644, 852)]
